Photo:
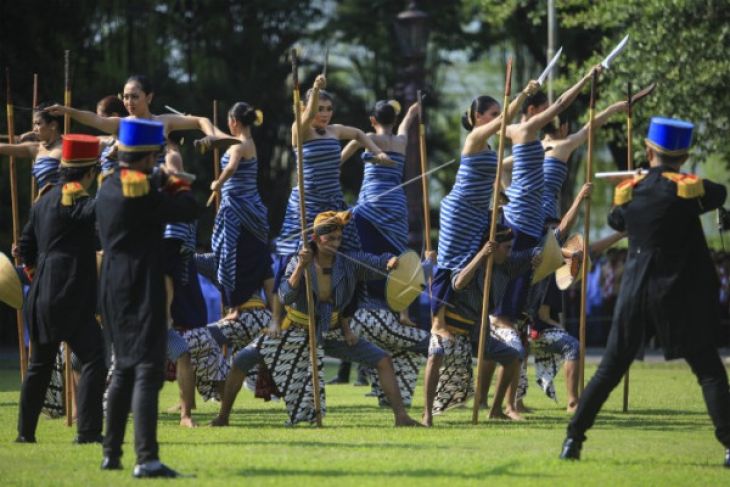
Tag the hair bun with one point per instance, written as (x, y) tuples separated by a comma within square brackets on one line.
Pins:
[(396, 106), (259, 118)]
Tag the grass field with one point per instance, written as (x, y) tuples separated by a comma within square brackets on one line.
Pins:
[(665, 439)]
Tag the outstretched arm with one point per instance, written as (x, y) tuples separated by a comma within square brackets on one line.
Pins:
[(349, 150), (108, 125), (26, 150), (190, 122), (344, 132), (563, 102), (577, 139), (408, 120)]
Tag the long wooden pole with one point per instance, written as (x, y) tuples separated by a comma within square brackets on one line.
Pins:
[(485, 325), (424, 178), (33, 184), (586, 236), (303, 222), (16, 220), (216, 157), (67, 349), (630, 165)]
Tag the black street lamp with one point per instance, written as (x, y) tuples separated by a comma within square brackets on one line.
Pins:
[(411, 28)]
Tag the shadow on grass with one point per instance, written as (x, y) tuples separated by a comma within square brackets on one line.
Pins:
[(312, 444), (500, 470)]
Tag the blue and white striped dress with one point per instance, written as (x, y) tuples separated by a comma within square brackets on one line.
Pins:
[(108, 164), (465, 215), (554, 173), (524, 210), (241, 208), (382, 205), (45, 170), (185, 232), (322, 193)]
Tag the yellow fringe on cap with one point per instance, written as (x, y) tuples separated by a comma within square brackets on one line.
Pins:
[(134, 183), (689, 186), (71, 192), (624, 191)]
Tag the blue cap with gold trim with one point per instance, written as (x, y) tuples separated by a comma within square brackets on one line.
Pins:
[(138, 135), (669, 136)]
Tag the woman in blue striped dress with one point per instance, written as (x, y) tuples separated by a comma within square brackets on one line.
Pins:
[(109, 106), (45, 152), (240, 238), (321, 164)]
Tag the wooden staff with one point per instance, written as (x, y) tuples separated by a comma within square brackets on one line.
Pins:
[(16, 219), (216, 158), (33, 188), (586, 236), (485, 325), (630, 165), (303, 222), (69, 390), (424, 178)]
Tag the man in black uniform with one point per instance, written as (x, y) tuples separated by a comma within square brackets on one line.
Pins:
[(132, 208), (670, 287), (57, 247)]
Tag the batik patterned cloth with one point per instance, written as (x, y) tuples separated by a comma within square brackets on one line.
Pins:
[(208, 362), (456, 382)]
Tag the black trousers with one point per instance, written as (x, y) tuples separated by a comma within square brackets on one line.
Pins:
[(705, 364), (88, 345), (137, 388)]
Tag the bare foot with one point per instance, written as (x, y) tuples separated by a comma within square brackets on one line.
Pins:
[(427, 420), (219, 421), (572, 406), (188, 422), (498, 415), (406, 421), (521, 408), (513, 415)]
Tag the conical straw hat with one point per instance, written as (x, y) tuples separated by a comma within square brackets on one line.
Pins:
[(552, 258), (11, 291), (405, 282), (570, 271)]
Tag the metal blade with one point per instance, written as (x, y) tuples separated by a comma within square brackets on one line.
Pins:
[(616, 51), (550, 66)]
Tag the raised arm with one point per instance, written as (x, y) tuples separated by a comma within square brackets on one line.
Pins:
[(575, 140), (109, 125), (600, 246), (466, 275), (568, 220), (310, 110), (563, 102), (408, 120), (26, 150)]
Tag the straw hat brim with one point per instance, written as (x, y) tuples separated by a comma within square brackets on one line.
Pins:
[(405, 282), (552, 258), (11, 290)]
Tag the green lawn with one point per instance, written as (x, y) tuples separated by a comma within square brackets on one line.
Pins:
[(666, 439)]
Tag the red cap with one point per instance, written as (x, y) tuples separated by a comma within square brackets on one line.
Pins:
[(79, 150)]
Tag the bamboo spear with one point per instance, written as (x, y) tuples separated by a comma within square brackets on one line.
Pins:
[(33, 187), (216, 158), (630, 166), (303, 222), (69, 390), (424, 178), (16, 219), (485, 325), (586, 234)]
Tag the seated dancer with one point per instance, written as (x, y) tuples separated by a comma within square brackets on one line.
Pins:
[(448, 379), (670, 285), (334, 275), (133, 206), (321, 165), (524, 211), (57, 247)]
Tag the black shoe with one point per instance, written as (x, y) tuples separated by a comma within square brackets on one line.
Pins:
[(336, 380), (143, 472), (25, 439), (571, 449), (727, 458), (111, 463), (84, 439)]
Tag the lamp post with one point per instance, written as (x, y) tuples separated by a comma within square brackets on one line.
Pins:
[(411, 28)]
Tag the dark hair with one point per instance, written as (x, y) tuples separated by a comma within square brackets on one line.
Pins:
[(46, 116), (110, 105), (68, 174), (480, 104), (243, 113), (553, 128), (539, 98), (177, 137), (384, 112), (323, 95), (677, 160), (143, 81), (132, 157)]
